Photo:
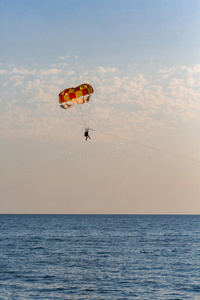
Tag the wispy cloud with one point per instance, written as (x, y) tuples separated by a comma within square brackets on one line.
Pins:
[(50, 72), (23, 71), (63, 57), (2, 72), (103, 70), (123, 100)]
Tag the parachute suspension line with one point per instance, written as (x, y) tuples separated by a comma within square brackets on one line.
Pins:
[(76, 96), (78, 119), (80, 114), (89, 113), (146, 146)]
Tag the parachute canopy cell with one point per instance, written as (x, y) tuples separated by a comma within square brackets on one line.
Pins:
[(80, 94)]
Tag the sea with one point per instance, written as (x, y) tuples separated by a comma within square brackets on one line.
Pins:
[(100, 257)]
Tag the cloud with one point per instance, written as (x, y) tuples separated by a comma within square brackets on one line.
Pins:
[(23, 71), (18, 79), (49, 72), (165, 70), (2, 72), (33, 84), (63, 57), (103, 70), (191, 81), (69, 72), (194, 70), (124, 100), (176, 82), (63, 64)]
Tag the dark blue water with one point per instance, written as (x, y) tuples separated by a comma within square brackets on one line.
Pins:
[(99, 257)]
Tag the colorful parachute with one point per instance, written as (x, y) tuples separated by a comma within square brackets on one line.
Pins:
[(72, 97), (80, 94)]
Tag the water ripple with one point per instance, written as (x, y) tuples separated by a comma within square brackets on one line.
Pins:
[(99, 257)]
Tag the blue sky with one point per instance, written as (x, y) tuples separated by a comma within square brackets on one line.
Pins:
[(142, 58), (110, 32)]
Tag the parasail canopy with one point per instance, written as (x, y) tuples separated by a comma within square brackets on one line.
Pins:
[(80, 94)]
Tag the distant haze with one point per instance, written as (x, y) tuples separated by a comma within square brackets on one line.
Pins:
[(142, 59)]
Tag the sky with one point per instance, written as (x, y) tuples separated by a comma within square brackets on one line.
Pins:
[(143, 60)]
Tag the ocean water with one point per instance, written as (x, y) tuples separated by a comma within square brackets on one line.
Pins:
[(99, 257)]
